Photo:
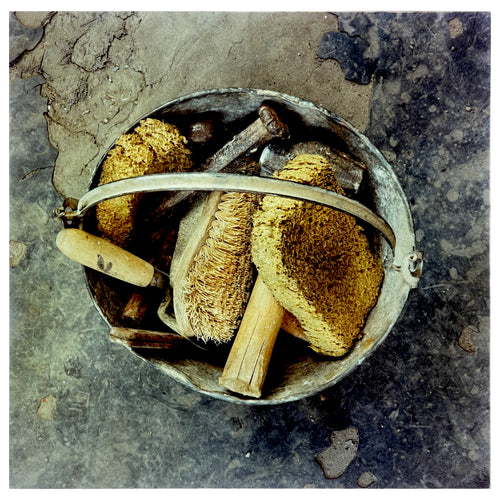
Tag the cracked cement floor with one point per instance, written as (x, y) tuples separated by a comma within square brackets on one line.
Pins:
[(85, 413)]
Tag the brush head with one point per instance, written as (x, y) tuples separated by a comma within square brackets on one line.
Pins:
[(153, 147), (213, 294), (315, 260)]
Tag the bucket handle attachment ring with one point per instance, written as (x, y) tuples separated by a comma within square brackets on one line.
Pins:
[(411, 268)]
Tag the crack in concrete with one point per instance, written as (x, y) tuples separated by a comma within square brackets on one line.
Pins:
[(31, 173)]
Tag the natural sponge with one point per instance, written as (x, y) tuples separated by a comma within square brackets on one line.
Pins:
[(153, 147), (316, 260)]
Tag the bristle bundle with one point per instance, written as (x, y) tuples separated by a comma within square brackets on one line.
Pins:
[(216, 288)]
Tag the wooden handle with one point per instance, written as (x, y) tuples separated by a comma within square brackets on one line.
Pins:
[(246, 366), (101, 255), (178, 276), (146, 339)]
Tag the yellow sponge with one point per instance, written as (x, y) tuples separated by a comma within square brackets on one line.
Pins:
[(315, 260), (153, 147)]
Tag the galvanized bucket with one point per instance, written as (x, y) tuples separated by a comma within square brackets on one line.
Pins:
[(295, 371)]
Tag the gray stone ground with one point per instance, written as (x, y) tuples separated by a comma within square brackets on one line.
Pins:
[(85, 413)]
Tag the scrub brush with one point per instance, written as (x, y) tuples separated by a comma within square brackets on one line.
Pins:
[(211, 283)]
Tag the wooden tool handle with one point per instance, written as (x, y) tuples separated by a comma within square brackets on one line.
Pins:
[(146, 339), (101, 255), (178, 276), (248, 361)]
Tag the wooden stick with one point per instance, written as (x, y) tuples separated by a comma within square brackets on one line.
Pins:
[(292, 326), (145, 339), (136, 307), (246, 366)]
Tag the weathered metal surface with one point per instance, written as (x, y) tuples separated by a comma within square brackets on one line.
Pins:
[(205, 181)]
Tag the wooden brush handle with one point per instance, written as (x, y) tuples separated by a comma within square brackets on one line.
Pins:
[(178, 276), (248, 361), (101, 255)]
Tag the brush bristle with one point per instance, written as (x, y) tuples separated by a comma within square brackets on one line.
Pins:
[(217, 287), (153, 147), (316, 261)]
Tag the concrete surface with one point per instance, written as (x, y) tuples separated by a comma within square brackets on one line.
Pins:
[(85, 413)]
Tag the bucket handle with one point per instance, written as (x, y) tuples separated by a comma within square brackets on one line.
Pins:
[(205, 181)]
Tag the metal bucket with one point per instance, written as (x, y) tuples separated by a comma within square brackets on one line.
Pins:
[(295, 370)]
